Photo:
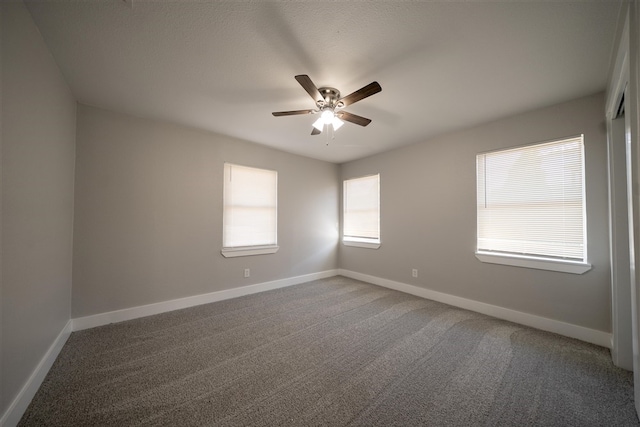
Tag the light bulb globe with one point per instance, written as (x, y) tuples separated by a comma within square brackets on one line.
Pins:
[(319, 124), (337, 123), (327, 116)]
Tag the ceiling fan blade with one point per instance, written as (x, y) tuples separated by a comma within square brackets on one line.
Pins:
[(308, 85), (291, 113), (353, 118), (315, 132), (362, 93)]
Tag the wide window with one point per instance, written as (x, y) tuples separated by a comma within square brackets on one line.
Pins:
[(531, 206), (250, 211), (361, 215)]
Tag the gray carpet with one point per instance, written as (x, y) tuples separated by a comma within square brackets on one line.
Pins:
[(329, 352)]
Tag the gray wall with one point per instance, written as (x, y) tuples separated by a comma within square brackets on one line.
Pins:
[(148, 213), (428, 218), (38, 138)]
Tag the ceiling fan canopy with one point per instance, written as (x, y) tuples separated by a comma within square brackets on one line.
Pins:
[(329, 104)]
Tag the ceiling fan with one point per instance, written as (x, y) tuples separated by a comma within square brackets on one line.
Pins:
[(329, 104)]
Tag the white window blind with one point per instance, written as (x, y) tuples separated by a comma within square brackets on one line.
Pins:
[(361, 199), (531, 201), (250, 206)]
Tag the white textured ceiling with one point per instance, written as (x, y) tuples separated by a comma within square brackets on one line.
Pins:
[(225, 66)]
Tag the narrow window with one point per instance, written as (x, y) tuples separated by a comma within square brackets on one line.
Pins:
[(250, 214), (531, 203), (361, 215)]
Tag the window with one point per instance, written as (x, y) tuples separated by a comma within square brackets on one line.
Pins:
[(531, 206), (361, 218), (250, 211)]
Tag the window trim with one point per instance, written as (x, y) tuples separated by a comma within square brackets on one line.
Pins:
[(361, 243), (541, 262), (538, 263), (249, 251)]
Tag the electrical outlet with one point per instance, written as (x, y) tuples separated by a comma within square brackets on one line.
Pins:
[(414, 272), (247, 272)]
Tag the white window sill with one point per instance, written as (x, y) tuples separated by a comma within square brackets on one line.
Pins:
[(249, 251), (574, 267), (362, 243)]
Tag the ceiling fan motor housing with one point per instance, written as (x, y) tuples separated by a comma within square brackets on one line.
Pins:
[(331, 96)]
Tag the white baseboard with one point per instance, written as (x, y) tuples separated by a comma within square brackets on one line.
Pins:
[(15, 411), (569, 330), (176, 304)]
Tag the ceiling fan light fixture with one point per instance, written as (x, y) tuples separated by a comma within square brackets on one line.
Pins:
[(327, 116), (319, 124), (337, 123)]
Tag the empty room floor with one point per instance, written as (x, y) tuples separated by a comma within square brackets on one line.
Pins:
[(330, 352)]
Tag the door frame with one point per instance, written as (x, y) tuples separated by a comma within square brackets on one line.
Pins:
[(624, 80)]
